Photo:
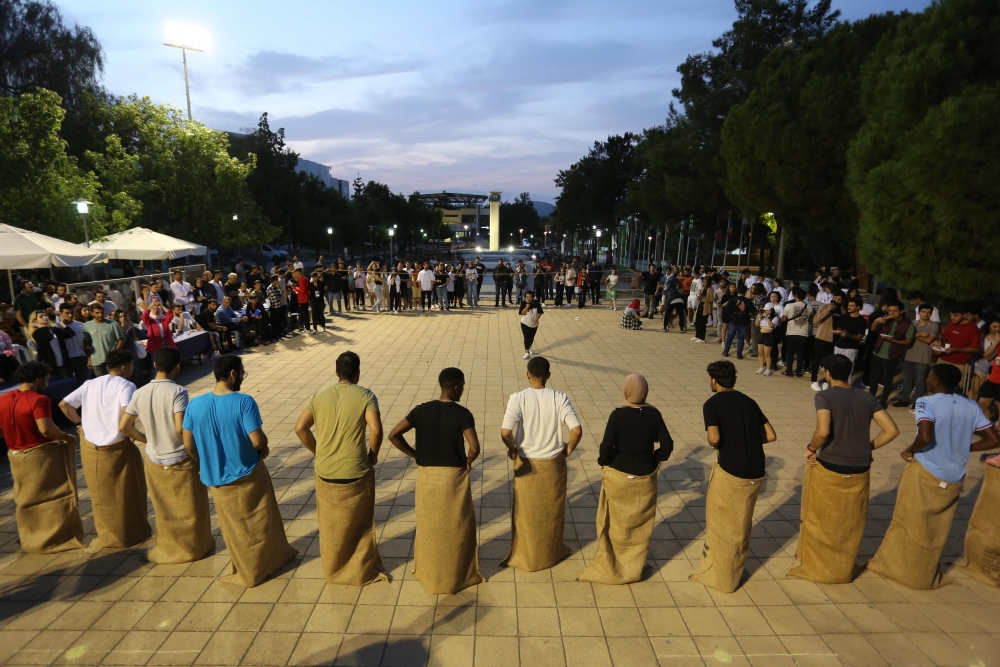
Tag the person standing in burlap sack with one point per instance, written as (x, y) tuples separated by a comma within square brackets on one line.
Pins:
[(932, 481), (982, 538), (224, 426), (836, 482), (532, 432), (180, 500), (445, 552), (43, 465), (626, 511), (737, 429), (112, 464), (344, 474)]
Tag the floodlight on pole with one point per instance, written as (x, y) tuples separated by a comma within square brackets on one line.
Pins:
[(329, 234), (83, 208), (181, 37)]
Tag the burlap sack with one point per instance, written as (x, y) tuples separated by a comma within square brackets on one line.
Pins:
[(982, 538), (834, 508), (346, 514), (47, 514), (117, 487), (538, 514), (911, 551), (728, 519), (446, 555), (626, 514), (183, 521), (252, 528)]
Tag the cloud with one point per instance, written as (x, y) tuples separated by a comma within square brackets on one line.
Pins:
[(268, 72)]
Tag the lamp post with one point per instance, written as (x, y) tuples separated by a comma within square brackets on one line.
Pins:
[(392, 232), (329, 234), (82, 207), (521, 232), (597, 248), (187, 88)]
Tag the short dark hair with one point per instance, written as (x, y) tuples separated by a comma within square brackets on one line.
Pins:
[(723, 372), (857, 301), (348, 365), (119, 357), (949, 376), (529, 292), (215, 301), (741, 288), (925, 306), (838, 365), (225, 365), (32, 372), (167, 359), (100, 291), (66, 305), (274, 278), (916, 294), (798, 293), (451, 377), (538, 367)]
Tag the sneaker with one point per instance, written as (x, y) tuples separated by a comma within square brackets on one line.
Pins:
[(527, 355), (815, 386), (697, 340), (901, 404), (768, 373), (532, 351), (760, 371), (725, 354), (912, 411), (825, 385), (781, 364), (787, 374), (739, 357)]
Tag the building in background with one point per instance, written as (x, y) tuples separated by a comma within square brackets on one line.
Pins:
[(322, 172)]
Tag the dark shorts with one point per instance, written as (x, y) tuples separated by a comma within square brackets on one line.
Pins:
[(990, 390), (766, 339)]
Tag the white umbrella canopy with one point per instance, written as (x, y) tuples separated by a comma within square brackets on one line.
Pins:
[(145, 244), (21, 249)]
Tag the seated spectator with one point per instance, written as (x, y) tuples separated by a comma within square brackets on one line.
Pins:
[(182, 322), (228, 318), (206, 322)]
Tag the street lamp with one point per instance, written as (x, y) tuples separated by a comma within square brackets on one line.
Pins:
[(179, 37), (597, 247), (329, 233), (392, 232), (82, 207), (522, 237)]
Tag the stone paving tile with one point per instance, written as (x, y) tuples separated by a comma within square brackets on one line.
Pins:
[(113, 607)]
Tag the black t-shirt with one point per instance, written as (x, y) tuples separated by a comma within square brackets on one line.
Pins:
[(740, 311), (204, 318), (740, 422), (650, 282), (316, 291), (440, 426), (629, 437), (851, 326)]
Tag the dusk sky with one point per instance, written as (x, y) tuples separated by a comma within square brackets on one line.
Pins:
[(465, 96)]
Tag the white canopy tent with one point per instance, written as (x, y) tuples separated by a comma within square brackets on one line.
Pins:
[(21, 249), (145, 244)]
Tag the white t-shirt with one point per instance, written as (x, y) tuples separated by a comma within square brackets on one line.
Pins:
[(183, 324), (528, 319), (535, 416), (612, 281), (102, 400), (426, 279)]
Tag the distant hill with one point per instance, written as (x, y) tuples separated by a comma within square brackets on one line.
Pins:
[(543, 208)]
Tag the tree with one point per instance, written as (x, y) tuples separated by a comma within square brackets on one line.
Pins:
[(38, 180), (179, 171), (785, 147), (594, 188), (923, 168), (713, 83), (519, 214)]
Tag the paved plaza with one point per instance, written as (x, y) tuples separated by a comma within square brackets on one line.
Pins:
[(112, 607)]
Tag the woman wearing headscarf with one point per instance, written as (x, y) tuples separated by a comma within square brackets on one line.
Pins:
[(631, 316), (157, 328), (626, 511)]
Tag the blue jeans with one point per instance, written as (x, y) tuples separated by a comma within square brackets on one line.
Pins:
[(915, 380), (739, 332)]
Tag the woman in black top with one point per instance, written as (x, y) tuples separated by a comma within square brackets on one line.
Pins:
[(632, 429)]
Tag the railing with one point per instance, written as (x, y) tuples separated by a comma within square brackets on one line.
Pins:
[(85, 290)]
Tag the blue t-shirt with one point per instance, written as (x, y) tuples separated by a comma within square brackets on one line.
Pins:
[(221, 426), (956, 419)]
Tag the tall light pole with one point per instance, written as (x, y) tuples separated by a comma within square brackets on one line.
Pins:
[(82, 207), (521, 232), (184, 59), (392, 232), (597, 249), (329, 234)]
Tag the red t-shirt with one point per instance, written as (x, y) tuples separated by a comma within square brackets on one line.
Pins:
[(302, 291), (966, 334), (18, 412)]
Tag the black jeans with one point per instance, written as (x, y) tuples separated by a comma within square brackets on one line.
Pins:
[(796, 346), (821, 348), (595, 294), (318, 314), (883, 371), (559, 295), (529, 335), (303, 310), (700, 323), (425, 299), (394, 301), (277, 318), (681, 311)]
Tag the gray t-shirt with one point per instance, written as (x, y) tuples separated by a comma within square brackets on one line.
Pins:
[(155, 406), (920, 353), (851, 412)]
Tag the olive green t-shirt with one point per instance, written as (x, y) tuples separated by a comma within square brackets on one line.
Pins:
[(339, 425)]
